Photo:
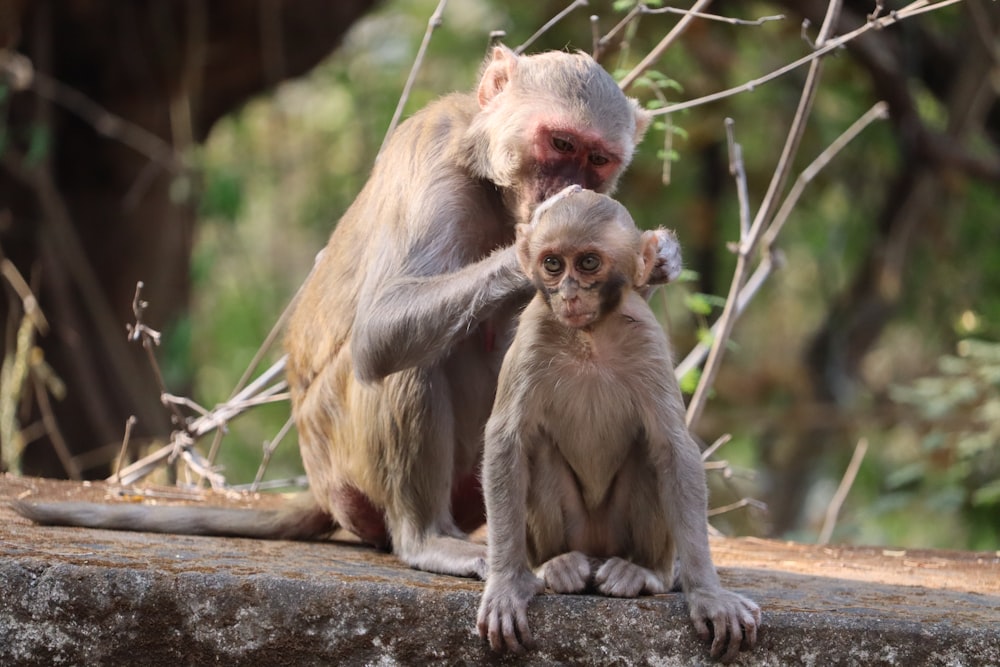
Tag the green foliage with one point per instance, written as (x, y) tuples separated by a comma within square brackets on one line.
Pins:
[(39, 144), (958, 412)]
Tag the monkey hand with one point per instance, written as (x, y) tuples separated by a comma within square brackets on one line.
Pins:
[(503, 611), (734, 620), (668, 257)]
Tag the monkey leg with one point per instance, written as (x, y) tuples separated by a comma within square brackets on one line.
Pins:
[(414, 434), (622, 578), (566, 573)]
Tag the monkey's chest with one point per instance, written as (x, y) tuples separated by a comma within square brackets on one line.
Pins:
[(594, 428)]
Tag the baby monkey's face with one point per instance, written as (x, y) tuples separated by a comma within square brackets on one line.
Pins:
[(580, 284)]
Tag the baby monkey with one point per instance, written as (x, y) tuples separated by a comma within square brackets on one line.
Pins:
[(590, 475)]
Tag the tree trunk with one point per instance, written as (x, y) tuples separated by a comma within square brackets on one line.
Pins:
[(95, 194)]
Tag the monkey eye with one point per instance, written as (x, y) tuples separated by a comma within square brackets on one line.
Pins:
[(589, 262), (552, 265), (598, 160), (562, 145)]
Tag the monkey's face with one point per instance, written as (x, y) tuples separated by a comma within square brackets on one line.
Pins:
[(563, 155), (580, 285)]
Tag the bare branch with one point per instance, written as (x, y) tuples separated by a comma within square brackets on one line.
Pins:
[(714, 447), (743, 502), (833, 510), (433, 23), (646, 9), (738, 171), (129, 424), (880, 110), (664, 44), (831, 45), (603, 42), (768, 265), (269, 448), (548, 26), (749, 239), (69, 464)]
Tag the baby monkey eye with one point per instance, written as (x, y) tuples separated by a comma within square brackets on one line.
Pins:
[(552, 265), (598, 160), (562, 145), (590, 262)]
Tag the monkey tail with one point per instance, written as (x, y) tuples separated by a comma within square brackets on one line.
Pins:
[(301, 519)]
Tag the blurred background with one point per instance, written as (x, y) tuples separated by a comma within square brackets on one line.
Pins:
[(208, 149)]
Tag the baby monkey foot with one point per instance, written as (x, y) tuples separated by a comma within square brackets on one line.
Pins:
[(624, 579), (567, 573)]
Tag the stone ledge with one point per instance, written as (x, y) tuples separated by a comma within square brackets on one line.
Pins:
[(77, 596)]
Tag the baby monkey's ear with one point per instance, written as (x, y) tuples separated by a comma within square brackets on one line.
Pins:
[(646, 262)]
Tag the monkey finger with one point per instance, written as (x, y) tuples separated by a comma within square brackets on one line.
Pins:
[(701, 627), (524, 630), (750, 622), (510, 638), (720, 638), (735, 639)]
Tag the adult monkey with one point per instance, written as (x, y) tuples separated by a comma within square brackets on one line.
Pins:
[(396, 341), (397, 336)]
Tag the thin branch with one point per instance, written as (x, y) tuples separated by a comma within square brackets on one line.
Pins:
[(738, 172), (880, 110), (69, 464), (743, 502), (269, 448), (548, 26), (433, 23), (749, 239), (129, 424), (646, 9), (150, 338), (595, 37), (833, 510), (300, 482), (768, 265), (831, 45), (793, 140), (664, 44), (28, 301), (257, 392), (714, 447), (603, 42)]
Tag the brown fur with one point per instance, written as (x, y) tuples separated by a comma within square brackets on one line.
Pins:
[(587, 456)]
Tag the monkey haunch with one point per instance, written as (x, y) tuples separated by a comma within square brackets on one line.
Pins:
[(396, 339), (587, 446)]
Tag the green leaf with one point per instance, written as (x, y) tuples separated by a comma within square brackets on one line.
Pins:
[(698, 304), (689, 383), (39, 142), (987, 495)]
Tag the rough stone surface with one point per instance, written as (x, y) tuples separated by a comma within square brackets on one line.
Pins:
[(73, 596)]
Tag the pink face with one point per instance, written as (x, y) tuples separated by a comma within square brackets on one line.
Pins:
[(564, 156)]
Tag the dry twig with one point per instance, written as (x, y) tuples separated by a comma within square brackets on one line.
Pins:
[(433, 23), (833, 510)]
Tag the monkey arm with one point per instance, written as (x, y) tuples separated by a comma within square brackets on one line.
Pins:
[(510, 584), (730, 619), (414, 320)]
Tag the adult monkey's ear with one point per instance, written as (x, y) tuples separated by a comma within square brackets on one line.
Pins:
[(499, 71), (642, 119)]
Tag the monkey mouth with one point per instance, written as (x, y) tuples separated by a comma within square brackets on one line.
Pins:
[(577, 319)]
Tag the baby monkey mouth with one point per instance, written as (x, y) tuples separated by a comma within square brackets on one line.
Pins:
[(576, 317)]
